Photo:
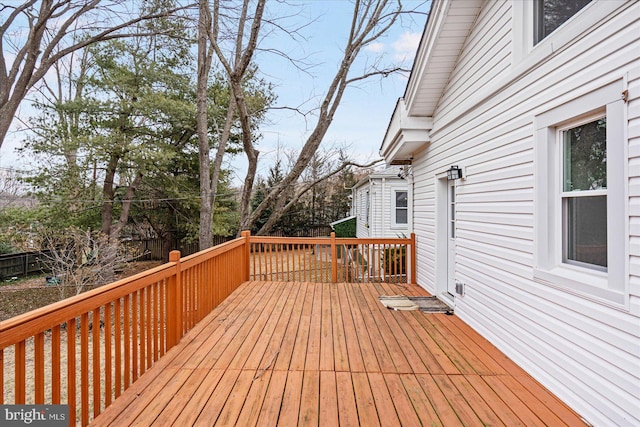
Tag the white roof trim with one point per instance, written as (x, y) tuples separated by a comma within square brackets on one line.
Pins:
[(405, 135), (445, 33), (342, 220)]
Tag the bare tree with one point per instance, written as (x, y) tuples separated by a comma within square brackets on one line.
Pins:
[(236, 65), (283, 204), (78, 259), (36, 34), (371, 19), (13, 191), (205, 55)]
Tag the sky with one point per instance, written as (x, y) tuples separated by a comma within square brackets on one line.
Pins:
[(362, 118)]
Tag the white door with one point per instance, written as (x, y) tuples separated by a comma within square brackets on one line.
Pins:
[(451, 237)]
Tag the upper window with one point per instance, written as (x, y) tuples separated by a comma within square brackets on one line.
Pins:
[(401, 207), (550, 14)]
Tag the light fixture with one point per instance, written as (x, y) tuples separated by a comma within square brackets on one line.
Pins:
[(454, 173), (405, 171)]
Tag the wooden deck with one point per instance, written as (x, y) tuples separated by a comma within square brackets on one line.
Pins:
[(330, 354)]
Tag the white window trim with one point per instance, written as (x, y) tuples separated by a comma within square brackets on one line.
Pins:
[(527, 55), (394, 208), (367, 208), (611, 287)]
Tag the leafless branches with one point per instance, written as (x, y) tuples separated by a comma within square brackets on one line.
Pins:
[(38, 33), (78, 259), (371, 19)]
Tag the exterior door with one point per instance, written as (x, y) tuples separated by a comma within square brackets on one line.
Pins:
[(451, 237)]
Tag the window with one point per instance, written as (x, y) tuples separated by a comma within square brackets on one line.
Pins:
[(367, 202), (580, 209), (452, 210), (550, 14), (401, 208), (542, 27), (584, 194)]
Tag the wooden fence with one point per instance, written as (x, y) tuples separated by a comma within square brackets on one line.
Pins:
[(86, 350), (22, 264)]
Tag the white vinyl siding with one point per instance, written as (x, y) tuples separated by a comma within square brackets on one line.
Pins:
[(488, 127), (473, 72), (381, 220), (634, 189)]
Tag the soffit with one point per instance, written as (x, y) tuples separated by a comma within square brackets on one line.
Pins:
[(449, 23)]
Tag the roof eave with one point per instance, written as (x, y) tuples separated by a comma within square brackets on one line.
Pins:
[(405, 136)]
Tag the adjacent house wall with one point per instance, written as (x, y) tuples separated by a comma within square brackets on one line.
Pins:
[(360, 211), (583, 348), (380, 189)]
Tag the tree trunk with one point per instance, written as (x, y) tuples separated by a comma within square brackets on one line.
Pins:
[(108, 195), (116, 229), (204, 61), (222, 147)]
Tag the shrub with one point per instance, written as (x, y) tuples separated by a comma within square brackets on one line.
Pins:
[(346, 228)]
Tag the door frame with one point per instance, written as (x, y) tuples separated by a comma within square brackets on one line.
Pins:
[(442, 239)]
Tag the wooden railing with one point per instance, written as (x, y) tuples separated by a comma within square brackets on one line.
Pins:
[(332, 259), (86, 350)]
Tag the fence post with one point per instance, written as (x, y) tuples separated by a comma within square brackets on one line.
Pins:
[(246, 234), (334, 259), (413, 259), (174, 303)]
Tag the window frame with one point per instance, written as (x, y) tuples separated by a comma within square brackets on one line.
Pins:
[(612, 286), (526, 53), (538, 17), (566, 195), (367, 209), (395, 207)]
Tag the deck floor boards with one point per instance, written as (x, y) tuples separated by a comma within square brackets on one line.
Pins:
[(328, 354)]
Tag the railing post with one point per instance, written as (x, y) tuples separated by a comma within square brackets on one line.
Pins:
[(174, 303), (246, 234), (334, 259), (413, 259)]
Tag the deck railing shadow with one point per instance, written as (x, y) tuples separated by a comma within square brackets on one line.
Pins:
[(86, 350)]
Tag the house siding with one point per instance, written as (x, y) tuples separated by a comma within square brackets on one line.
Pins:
[(381, 208), (360, 212), (585, 351), (492, 36), (634, 188)]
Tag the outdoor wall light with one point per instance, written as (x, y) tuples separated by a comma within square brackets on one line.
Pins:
[(454, 173)]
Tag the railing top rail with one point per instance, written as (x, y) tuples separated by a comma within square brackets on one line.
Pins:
[(327, 240), (212, 252), (41, 319), (276, 239), (373, 240)]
